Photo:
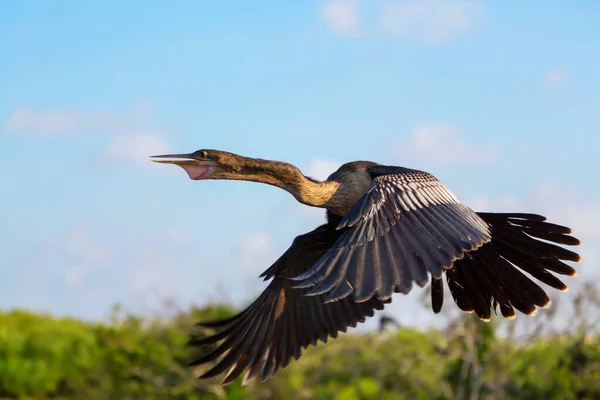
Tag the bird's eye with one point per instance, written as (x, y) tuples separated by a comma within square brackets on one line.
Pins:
[(201, 154)]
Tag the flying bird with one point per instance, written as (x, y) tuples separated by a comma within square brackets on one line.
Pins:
[(386, 228)]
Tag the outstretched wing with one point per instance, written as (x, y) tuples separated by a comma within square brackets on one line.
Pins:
[(407, 225), (282, 321), (492, 277)]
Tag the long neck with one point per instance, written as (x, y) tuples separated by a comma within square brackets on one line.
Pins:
[(282, 175)]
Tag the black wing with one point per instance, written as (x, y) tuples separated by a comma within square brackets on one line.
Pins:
[(282, 321), (407, 225), (492, 276)]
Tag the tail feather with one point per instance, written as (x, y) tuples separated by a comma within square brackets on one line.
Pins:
[(493, 276), (475, 289)]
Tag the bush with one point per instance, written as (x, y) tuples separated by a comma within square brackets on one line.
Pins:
[(133, 358)]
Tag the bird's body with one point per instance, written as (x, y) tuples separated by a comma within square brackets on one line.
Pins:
[(387, 228)]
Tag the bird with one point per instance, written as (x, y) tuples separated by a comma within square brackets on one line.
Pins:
[(386, 228)]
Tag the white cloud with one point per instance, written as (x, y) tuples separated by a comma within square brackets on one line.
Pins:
[(437, 143), (158, 265), (321, 168), (98, 266), (555, 78), (133, 136), (79, 250), (84, 249), (177, 235), (341, 17), (46, 122), (135, 148), (235, 277), (254, 245), (143, 278), (74, 276), (430, 21), (53, 122)]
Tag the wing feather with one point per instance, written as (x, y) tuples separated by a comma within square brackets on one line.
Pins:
[(494, 274), (275, 328), (406, 227)]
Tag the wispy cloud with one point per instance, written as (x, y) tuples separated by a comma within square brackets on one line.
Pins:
[(555, 78), (81, 251), (100, 268), (52, 122), (254, 245), (81, 248), (135, 148), (442, 144), (341, 17), (321, 168), (132, 136), (177, 235), (419, 21), (238, 274), (430, 21), (74, 276)]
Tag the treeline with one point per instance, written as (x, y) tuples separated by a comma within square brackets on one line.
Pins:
[(42, 357)]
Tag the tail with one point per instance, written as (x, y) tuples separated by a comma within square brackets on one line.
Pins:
[(492, 277)]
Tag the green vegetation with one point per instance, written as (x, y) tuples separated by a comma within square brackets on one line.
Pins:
[(130, 358)]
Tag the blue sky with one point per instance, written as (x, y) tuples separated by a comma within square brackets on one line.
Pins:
[(497, 99)]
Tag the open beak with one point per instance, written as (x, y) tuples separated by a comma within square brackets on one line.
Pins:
[(197, 168), (178, 159)]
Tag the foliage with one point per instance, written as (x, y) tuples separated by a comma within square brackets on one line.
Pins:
[(133, 358)]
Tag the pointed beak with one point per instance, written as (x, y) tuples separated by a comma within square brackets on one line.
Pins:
[(178, 159), (196, 167)]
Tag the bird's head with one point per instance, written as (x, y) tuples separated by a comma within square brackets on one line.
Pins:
[(203, 164)]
